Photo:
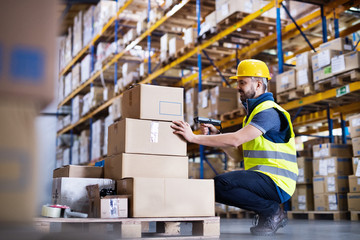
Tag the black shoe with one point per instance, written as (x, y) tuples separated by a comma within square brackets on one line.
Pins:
[(267, 226)]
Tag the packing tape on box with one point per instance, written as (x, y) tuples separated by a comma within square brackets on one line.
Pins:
[(52, 212)]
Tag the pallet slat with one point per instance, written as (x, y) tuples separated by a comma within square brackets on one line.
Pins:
[(314, 215)]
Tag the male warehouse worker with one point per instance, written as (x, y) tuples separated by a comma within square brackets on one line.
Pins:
[(268, 146)]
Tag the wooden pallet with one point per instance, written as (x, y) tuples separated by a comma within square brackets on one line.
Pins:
[(337, 80), (289, 95), (185, 49), (233, 114), (355, 215), (202, 227), (313, 215)]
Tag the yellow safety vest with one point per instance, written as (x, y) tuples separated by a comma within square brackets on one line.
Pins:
[(277, 160)]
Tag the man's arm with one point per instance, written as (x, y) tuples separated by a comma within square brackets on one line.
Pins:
[(235, 139)]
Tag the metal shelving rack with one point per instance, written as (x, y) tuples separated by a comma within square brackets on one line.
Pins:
[(284, 33)]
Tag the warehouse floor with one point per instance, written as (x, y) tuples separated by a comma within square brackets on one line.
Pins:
[(296, 229)]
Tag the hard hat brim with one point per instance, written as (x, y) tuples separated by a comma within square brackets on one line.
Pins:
[(235, 77)]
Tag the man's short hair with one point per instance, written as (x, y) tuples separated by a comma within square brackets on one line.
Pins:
[(263, 80)]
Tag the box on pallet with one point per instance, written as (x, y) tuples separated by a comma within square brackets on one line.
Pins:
[(304, 77), (191, 103), (76, 76), (126, 165), (209, 24), (107, 122), (303, 198), (305, 170), (339, 44), (353, 201), (68, 46), (330, 202), (74, 171), (66, 157), (141, 26), (75, 152), (88, 25), (175, 44), (116, 108), (77, 105), (286, 81), (97, 140), (67, 84), (168, 197), (354, 183), (332, 150), (356, 146), (84, 146), (204, 104), (103, 11), (72, 191), (85, 68), (78, 31), (355, 165), (145, 137), (354, 122), (303, 60), (153, 102), (225, 8), (332, 166), (222, 100), (330, 184), (190, 36)]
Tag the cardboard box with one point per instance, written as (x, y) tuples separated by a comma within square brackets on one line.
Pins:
[(286, 81), (330, 202), (175, 44), (339, 44), (116, 112), (190, 36), (354, 122), (78, 33), (76, 77), (305, 166), (303, 198), (97, 141), (107, 122), (84, 146), (145, 137), (303, 76), (354, 183), (72, 191), (204, 104), (356, 146), (74, 171), (324, 57), (149, 166), (332, 150), (331, 184), (85, 68), (352, 61), (223, 100), (168, 197), (332, 166), (153, 102), (322, 73), (353, 201), (191, 103), (88, 25), (76, 108), (75, 153), (209, 24), (355, 164), (303, 60)]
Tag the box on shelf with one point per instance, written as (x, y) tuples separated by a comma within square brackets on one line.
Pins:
[(107, 122), (85, 68), (191, 103), (286, 81), (87, 25), (356, 146), (175, 44), (190, 36), (60, 92), (78, 31), (68, 46), (108, 92), (305, 170), (303, 76), (153, 102), (103, 11), (332, 166), (143, 69), (322, 73), (332, 150), (75, 152), (141, 26), (168, 197), (209, 24), (59, 158), (97, 141), (223, 100), (66, 157), (354, 183), (338, 44), (67, 84), (303, 60), (96, 96), (72, 191), (303, 198), (76, 76), (77, 105), (116, 112), (324, 57), (330, 202), (84, 146), (354, 128), (330, 184), (74, 171), (355, 165), (353, 201), (164, 46), (225, 8), (144, 165), (145, 137), (204, 104)]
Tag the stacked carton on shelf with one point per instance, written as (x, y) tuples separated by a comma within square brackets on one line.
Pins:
[(164, 46), (304, 79), (87, 26), (191, 101), (354, 180), (78, 34), (97, 141), (149, 162)]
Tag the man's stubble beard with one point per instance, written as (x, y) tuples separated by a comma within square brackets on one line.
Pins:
[(247, 95)]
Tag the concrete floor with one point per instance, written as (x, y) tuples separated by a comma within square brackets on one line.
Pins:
[(296, 229)]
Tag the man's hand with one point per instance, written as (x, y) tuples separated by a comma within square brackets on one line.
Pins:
[(206, 127), (183, 128)]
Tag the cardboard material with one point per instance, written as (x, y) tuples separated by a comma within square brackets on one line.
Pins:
[(166, 197), (191, 103), (303, 60), (353, 201), (354, 128), (72, 191), (339, 44), (356, 146), (355, 163), (330, 202), (75, 171), (149, 166), (204, 104), (305, 166), (222, 100), (332, 150), (145, 137), (354, 183), (303, 198), (153, 102), (303, 76), (332, 166), (286, 81), (331, 184), (322, 73)]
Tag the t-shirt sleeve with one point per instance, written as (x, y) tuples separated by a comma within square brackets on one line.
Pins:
[(266, 120)]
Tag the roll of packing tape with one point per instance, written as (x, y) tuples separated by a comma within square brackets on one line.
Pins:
[(52, 212)]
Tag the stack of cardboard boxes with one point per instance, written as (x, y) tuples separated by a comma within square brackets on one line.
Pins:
[(149, 162), (331, 167), (354, 180)]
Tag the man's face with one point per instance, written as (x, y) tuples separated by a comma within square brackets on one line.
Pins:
[(246, 88)]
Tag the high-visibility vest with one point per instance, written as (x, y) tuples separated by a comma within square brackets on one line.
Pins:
[(277, 160)]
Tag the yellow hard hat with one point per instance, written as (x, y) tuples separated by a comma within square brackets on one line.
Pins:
[(252, 68)]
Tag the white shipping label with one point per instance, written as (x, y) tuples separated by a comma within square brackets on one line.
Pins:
[(204, 101), (331, 188), (301, 171), (331, 180), (333, 206), (302, 77), (302, 199), (301, 179), (217, 91), (114, 208), (324, 152), (331, 165), (324, 58), (213, 100), (225, 10), (332, 198), (154, 132), (302, 206), (358, 171), (348, 47), (302, 59), (355, 122), (323, 167), (284, 80), (338, 64)]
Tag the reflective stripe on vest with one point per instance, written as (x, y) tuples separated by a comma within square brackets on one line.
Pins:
[(275, 170), (270, 154)]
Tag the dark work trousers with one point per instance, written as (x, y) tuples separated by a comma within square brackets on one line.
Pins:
[(248, 190)]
